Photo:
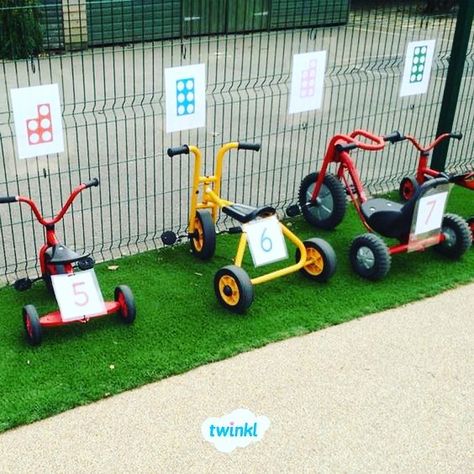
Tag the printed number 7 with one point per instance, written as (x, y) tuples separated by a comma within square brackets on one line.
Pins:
[(433, 205), (84, 298), (265, 242)]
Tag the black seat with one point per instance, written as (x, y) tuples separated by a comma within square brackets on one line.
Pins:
[(392, 219), (60, 254), (244, 214)]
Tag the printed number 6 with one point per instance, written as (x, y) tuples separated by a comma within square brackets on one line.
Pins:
[(265, 242), (84, 298)]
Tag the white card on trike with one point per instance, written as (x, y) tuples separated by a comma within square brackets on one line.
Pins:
[(266, 241), (428, 218), (78, 295)]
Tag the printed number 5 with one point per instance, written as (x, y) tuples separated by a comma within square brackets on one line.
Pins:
[(83, 297), (265, 242)]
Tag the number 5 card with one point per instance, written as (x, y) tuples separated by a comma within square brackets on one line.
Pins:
[(266, 241), (78, 295)]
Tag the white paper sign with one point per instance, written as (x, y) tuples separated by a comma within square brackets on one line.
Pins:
[(418, 63), (78, 295), (430, 213), (38, 124), (185, 97), (266, 241), (307, 82)]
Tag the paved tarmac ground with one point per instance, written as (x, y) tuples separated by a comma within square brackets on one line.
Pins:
[(391, 392)]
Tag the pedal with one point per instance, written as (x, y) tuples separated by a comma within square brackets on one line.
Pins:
[(235, 230), (86, 263), (351, 189), (22, 284), (293, 210), (169, 237)]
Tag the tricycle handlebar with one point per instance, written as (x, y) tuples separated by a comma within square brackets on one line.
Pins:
[(435, 143), (178, 150), (7, 199), (249, 146)]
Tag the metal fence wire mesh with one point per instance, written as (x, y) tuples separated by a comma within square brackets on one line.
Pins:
[(108, 58)]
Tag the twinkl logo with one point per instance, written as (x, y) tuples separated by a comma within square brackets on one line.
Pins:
[(237, 429)]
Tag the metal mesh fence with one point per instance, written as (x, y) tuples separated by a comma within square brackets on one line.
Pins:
[(109, 58)]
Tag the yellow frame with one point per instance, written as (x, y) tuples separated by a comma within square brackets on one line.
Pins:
[(211, 188)]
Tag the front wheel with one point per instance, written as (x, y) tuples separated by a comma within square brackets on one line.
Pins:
[(458, 237), (32, 325), (321, 260), (124, 297), (203, 242), (370, 257), (407, 189), (233, 288), (329, 208)]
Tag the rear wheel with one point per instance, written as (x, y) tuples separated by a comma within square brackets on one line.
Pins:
[(233, 288), (203, 242), (32, 325), (370, 257), (407, 189), (320, 261), (127, 311), (330, 206), (458, 237)]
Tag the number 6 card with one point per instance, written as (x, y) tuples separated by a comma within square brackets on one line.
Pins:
[(78, 295), (266, 241)]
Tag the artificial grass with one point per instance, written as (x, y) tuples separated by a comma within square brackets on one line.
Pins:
[(180, 325)]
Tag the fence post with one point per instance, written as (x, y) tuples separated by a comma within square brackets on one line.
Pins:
[(75, 24), (453, 79)]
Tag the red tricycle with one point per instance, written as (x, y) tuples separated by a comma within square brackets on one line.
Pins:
[(408, 185), (323, 200), (56, 259)]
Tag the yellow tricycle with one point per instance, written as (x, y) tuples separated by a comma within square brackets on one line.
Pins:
[(259, 228)]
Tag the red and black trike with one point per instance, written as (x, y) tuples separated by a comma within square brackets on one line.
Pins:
[(409, 184), (323, 201), (56, 259)]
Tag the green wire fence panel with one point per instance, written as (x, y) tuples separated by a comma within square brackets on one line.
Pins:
[(108, 58)]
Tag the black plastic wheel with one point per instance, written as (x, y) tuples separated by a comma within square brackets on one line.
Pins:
[(330, 206), (458, 237), (22, 284), (407, 189), (370, 257), (233, 288), (32, 325), (203, 243), (124, 296), (321, 259)]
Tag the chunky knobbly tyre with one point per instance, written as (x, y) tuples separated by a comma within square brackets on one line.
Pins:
[(407, 189), (203, 243), (32, 325), (370, 257), (458, 237), (233, 288), (330, 208), (321, 259), (127, 311)]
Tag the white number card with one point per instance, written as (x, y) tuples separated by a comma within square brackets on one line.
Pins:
[(430, 213), (266, 241), (78, 295)]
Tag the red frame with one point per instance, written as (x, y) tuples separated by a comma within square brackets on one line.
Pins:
[(349, 176), (54, 318)]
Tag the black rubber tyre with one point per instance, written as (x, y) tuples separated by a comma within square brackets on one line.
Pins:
[(322, 259), (458, 237), (32, 325), (407, 189), (203, 244), (123, 295), (330, 208), (370, 257), (233, 288)]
